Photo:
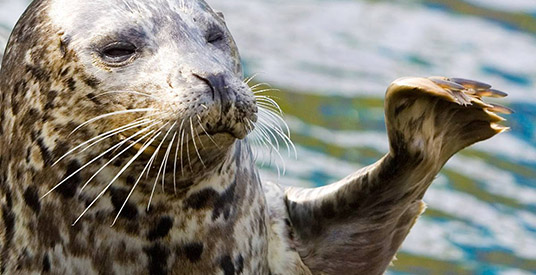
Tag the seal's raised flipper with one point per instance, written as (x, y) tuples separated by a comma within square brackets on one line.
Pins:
[(355, 226)]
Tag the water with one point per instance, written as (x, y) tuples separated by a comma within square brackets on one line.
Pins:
[(333, 60)]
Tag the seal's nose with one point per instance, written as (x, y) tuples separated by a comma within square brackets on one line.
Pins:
[(220, 89)]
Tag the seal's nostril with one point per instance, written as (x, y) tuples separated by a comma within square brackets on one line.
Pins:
[(217, 84)]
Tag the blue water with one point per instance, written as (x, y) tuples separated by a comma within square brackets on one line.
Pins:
[(333, 60)]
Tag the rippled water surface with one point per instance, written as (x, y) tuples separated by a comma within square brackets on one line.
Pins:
[(333, 60)]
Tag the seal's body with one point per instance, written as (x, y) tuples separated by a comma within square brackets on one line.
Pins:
[(132, 114)]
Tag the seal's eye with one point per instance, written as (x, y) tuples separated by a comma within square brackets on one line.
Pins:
[(118, 52)]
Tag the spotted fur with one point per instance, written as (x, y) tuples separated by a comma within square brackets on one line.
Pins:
[(60, 89)]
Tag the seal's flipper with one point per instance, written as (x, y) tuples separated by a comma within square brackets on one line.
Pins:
[(355, 226)]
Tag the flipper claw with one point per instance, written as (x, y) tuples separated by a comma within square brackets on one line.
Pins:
[(471, 84)]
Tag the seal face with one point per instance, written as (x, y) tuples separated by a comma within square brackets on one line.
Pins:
[(131, 113)]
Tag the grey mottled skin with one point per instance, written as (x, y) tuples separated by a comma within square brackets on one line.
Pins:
[(212, 215)]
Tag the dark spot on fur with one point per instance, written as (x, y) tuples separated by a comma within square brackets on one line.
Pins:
[(9, 226), (31, 197), (69, 187), (31, 116), (201, 199), (46, 264), (118, 198), (158, 256), (37, 72), (239, 264), (93, 98), (71, 84), (227, 265), (14, 98), (287, 222), (61, 148), (45, 154), (51, 96), (29, 154), (161, 230), (65, 71), (224, 203), (64, 43), (193, 251), (91, 82), (131, 180)]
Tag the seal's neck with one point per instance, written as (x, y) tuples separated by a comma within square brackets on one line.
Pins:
[(214, 219)]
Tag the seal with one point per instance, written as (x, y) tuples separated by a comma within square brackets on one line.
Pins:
[(122, 151)]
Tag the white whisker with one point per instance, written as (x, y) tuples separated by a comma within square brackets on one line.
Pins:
[(111, 114), (116, 177), (166, 157), (126, 92), (247, 80), (95, 159), (206, 133), (104, 136), (266, 90), (175, 161), (161, 165), (195, 145), (258, 85), (188, 154)]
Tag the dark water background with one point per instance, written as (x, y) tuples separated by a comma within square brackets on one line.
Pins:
[(333, 60)]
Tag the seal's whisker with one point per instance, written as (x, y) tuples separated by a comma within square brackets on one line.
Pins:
[(158, 149), (112, 114), (197, 134), (188, 154), (269, 100), (267, 106), (259, 140), (267, 130), (104, 136), (264, 129), (130, 194), (206, 133), (248, 79), (161, 165), (132, 189), (270, 105), (258, 85), (182, 147), (115, 157), (175, 161), (266, 90), (126, 92), (270, 120), (278, 120), (166, 157), (195, 145), (94, 159), (275, 122), (288, 143), (254, 138), (266, 139), (116, 177)]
